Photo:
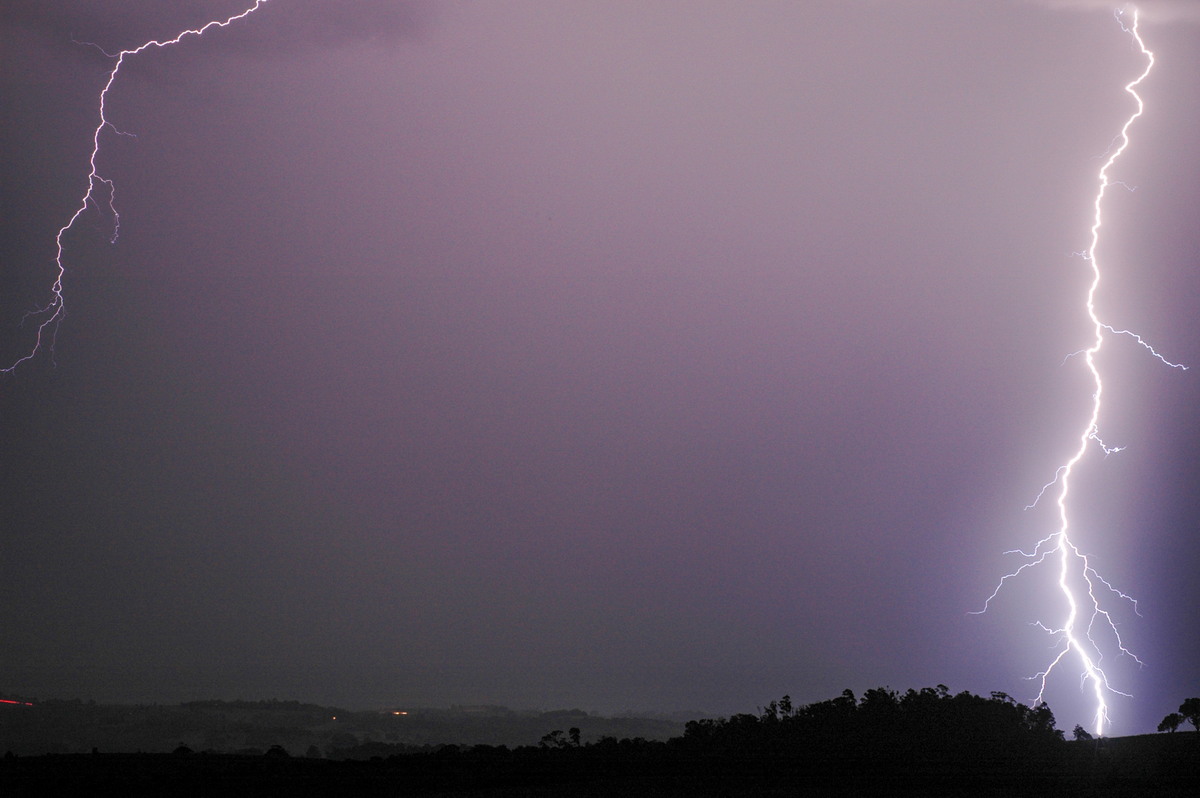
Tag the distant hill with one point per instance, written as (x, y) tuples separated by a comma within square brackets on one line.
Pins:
[(74, 726)]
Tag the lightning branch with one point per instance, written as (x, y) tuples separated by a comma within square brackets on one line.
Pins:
[(100, 193)]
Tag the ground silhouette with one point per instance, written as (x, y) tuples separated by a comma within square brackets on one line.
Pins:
[(920, 742)]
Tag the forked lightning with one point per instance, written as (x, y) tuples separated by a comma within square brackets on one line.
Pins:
[(100, 191), (1084, 591)]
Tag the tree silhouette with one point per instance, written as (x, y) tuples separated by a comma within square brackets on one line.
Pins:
[(1171, 722), (554, 739), (918, 730), (1190, 709)]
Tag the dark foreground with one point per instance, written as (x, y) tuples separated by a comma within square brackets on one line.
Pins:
[(1164, 765), (920, 743)]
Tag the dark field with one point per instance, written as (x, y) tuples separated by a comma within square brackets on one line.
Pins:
[(1137, 766)]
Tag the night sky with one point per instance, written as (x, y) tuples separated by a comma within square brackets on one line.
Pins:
[(625, 355)]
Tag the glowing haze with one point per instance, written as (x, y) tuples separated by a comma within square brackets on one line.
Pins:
[(621, 354)]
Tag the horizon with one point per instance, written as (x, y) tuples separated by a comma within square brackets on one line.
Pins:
[(498, 710)]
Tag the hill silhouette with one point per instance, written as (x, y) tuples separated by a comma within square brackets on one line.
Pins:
[(920, 742)]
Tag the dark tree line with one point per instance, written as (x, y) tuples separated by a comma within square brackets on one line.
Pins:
[(928, 729)]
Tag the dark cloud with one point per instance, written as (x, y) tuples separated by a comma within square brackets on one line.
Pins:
[(1157, 10), (325, 23), (331, 23)]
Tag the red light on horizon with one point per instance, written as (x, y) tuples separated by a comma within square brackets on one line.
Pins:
[(18, 703)]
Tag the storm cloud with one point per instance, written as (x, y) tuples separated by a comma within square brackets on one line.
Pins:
[(282, 24), (1151, 10)]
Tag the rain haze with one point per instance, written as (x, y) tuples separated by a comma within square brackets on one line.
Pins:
[(634, 355)]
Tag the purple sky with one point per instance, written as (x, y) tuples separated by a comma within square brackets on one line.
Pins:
[(621, 355)]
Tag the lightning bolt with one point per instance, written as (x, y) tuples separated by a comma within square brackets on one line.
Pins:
[(1085, 592), (101, 191)]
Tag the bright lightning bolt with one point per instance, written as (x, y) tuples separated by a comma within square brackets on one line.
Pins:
[(1082, 587), (50, 314)]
